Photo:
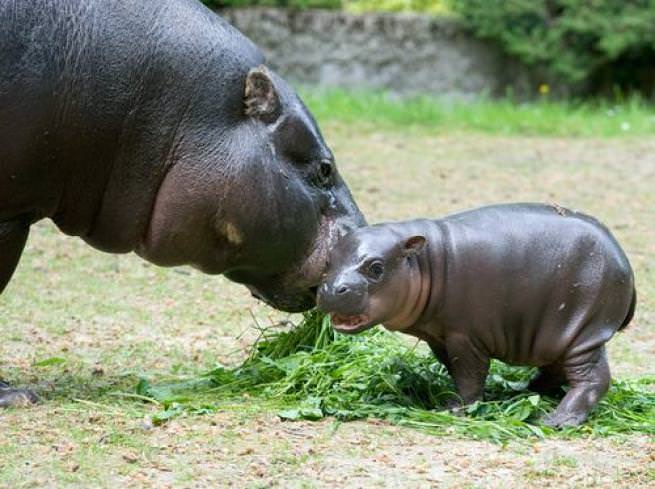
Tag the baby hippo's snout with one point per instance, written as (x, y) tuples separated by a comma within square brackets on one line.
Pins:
[(346, 301), (367, 278), (341, 296)]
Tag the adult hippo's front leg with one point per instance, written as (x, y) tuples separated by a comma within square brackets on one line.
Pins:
[(13, 235), (12, 397)]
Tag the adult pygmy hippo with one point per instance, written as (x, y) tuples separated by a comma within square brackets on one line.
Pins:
[(528, 284), (152, 126)]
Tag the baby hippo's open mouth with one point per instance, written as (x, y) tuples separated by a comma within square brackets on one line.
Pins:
[(349, 324)]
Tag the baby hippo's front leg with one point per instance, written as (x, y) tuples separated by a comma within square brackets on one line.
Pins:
[(468, 366)]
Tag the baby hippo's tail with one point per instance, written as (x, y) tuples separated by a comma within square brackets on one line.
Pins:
[(631, 310)]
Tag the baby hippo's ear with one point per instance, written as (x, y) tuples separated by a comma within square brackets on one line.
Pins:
[(414, 245), (260, 98)]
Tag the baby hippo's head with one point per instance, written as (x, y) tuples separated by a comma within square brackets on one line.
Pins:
[(369, 275)]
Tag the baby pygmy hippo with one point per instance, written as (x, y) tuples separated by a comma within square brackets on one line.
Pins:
[(528, 284)]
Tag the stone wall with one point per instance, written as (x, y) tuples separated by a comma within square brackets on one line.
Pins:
[(406, 54)]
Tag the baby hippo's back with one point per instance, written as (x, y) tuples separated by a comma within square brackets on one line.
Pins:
[(532, 284)]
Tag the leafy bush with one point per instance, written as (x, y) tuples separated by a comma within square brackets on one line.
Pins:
[(297, 4), (427, 6), (595, 45)]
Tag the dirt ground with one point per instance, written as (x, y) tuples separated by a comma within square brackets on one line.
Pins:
[(100, 321)]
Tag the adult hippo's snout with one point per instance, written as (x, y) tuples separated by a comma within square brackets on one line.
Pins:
[(297, 289)]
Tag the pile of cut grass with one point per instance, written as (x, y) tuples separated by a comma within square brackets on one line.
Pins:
[(311, 372)]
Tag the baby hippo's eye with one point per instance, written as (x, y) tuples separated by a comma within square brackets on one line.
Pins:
[(375, 270)]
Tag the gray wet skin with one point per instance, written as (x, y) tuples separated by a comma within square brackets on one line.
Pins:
[(528, 284), (154, 127)]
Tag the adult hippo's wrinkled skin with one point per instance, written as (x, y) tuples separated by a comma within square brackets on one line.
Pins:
[(152, 126), (528, 284)]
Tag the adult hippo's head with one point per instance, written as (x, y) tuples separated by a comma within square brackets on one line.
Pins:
[(301, 205), (258, 199)]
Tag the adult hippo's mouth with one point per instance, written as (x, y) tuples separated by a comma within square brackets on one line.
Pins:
[(297, 291), (291, 301)]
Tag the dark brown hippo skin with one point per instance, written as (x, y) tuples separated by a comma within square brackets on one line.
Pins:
[(152, 126), (528, 284)]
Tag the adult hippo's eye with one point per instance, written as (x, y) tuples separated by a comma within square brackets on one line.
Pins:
[(325, 172), (375, 270)]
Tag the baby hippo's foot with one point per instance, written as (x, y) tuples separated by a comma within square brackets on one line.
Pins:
[(454, 403), (10, 397), (455, 406), (562, 420), (458, 406)]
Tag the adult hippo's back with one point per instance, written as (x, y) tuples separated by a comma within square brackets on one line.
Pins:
[(153, 127)]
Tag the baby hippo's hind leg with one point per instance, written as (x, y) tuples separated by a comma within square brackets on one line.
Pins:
[(589, 379), (548, 381)]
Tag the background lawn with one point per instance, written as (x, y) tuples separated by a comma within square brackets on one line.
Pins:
[(82, 326)]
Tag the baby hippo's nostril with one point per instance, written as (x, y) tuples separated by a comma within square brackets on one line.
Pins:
[(342, 289)]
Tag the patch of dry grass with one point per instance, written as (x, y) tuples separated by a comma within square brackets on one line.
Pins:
[(113, 318)]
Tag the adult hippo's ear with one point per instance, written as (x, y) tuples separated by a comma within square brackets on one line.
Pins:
[(414, 245), (260, 98)]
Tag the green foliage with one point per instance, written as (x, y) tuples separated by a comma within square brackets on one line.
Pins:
[(311, 373), (631, 117), (295, 4), (426, 6), (596, 45)]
